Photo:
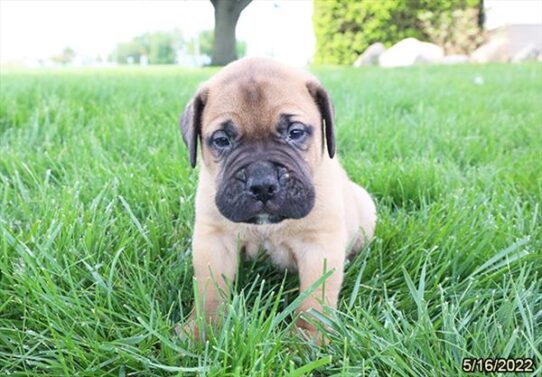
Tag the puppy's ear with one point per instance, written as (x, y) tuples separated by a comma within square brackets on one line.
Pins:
[(321, 98), (191, 123)]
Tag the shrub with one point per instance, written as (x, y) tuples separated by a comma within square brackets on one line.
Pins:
[(345, 28), (457, 32)]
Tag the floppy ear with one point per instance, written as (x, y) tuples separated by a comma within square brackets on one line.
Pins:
[(321, 98), (191, 123)]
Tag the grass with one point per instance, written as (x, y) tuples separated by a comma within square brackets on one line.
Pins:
[(96, 214)]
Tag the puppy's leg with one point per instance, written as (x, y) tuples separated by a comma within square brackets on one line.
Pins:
[(367, 213), (214, 256), (313, 260), (360, 218)]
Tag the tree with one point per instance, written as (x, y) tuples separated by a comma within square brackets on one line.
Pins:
[(206, 39), (161, 47), (158, 47), (128, 52), (227, 14), (65, 57)]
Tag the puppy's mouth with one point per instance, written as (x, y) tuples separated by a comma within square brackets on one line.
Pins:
[(265, 218)]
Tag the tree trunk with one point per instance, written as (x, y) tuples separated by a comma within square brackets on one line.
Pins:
[(227, 14), (481, 14)]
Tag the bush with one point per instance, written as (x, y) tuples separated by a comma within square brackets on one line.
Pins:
[(345, 28), (457, 32)]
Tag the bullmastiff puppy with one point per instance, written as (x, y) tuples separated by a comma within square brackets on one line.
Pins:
[(270, 179)]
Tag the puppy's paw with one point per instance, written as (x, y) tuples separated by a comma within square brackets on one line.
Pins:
[(309, 332), (189, 329), (197, 328)]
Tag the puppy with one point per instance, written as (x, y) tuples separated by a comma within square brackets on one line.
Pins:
[(269, 178)]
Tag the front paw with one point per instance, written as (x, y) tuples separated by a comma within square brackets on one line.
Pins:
[(189, 329), (199, 326), (309, 332)]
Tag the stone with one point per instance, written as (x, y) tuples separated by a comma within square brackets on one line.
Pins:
[(496, 50), (529, 52), (455, 59), (370, 55), (411, 51)]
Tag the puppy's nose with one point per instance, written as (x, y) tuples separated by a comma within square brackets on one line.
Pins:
[(263, 189), (262, 181)]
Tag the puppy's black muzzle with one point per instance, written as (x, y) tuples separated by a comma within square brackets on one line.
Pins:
[(265, 190)]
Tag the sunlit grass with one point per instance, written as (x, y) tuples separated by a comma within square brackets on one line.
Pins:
[(96, 213)]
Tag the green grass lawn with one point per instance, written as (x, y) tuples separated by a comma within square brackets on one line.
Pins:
[(96, 215)]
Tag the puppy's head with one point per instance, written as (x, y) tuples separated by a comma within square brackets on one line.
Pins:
[(263, 129)]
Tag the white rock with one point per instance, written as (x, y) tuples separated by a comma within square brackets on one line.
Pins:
[(455, 59), (370, 55), (496, 50), (411, 51), (529, 52)]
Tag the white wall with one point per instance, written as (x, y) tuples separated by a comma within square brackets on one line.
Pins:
[(512, 12)]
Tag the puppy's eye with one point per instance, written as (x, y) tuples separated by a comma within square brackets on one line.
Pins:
[(296, 131), (221, 140)]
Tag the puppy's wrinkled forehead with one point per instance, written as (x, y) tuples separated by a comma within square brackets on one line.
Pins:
[(255, 99)]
